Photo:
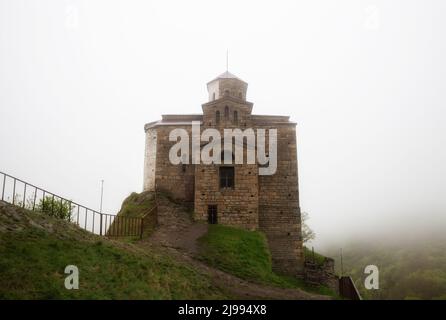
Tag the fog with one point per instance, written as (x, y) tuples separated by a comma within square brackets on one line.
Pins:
[(364, 80)]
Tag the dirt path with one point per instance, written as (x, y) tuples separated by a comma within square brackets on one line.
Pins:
[(176, 228), (177, 234), (243, 289)]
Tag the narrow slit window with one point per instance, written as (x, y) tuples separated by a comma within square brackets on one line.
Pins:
[(227, 177)]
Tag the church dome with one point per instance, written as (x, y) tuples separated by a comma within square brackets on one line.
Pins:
[(227, 75), (227, 84)]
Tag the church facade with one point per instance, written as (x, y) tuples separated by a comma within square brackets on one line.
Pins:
[(233, 194)]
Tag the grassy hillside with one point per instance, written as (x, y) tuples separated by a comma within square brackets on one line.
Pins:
[(35, 249), (409, 270), (239, 252), (136, 205), (246, 255)]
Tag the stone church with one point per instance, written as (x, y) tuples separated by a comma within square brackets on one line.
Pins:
[(236, 194)]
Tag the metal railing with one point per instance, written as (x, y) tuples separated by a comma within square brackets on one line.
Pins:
[(150, 218), (31, 197), (347, 288)]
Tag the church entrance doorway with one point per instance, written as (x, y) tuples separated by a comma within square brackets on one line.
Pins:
[(212, 214)]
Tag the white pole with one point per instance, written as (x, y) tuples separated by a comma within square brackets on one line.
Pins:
[(102, 194)]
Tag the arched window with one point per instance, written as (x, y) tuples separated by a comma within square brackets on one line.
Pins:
[(213, 96), (240, 95), (227, 92), (217, 117), (235, 116), (226, 113)]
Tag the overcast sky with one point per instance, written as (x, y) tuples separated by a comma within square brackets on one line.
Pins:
[(364, 80)]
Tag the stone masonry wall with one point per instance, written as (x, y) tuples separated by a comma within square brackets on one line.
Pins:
[(267, 203), (238, 206), (279, 212), (177, 180), (235, 207), (321, 274), (150, 160)]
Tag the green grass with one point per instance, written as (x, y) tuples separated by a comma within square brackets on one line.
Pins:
[(246, 255), (137, 204), (316, 257), (35, 249), (33, 260), (242, 253)]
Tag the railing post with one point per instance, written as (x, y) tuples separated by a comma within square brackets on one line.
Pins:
[(71, 211), (35, 196), (100, 228), (142, 228), (52, 205), (86, 216), (13, 193), (4, 182), (94, 216), (24, 197)]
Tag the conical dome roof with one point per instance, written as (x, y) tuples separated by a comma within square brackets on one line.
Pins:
[(226, 75)]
